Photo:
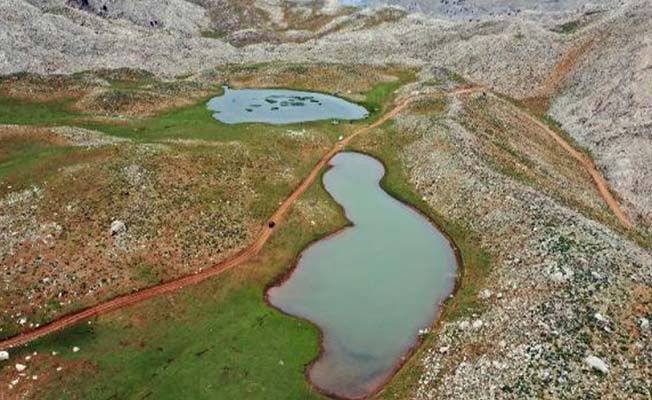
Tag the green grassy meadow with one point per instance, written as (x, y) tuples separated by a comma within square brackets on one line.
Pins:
[(216, 340)]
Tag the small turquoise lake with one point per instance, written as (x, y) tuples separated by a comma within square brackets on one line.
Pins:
[(281, 106), (371, 287)]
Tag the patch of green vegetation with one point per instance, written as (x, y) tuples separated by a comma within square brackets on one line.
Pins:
[(458, 78), (567, 28), (563, 244), (429, 105), (382, 94), (21, 161), (216, 340), (23, 112), (518, 167), (376, 96), (197, 122), (33, 163), (213, 34), (28, 158), (549, 121), (387, 145), (192, 122), (182, 77), (148, 274)]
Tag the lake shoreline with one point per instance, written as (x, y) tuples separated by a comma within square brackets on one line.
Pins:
[(279, 106), (437, 310)]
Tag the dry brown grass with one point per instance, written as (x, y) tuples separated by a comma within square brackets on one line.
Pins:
[(524, 150), (429, 106), (565, 68), (44, 367), (14, 138), (639, 307), (312, 22), (135, 103), (44, 89), (330, 78), (538, 105)]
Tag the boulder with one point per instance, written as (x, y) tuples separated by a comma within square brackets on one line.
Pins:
[(4, 355), (601, 319), (118, 227), (644, 324), (596, 364)]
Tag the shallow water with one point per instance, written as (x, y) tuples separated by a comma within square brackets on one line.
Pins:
[(372, 286), (280, 106)]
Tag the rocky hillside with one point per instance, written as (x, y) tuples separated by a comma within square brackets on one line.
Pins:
[(564, 312), (482, 10), (605, 102)]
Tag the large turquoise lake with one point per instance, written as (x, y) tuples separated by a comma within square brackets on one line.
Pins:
[(371, 287), (280, 106)]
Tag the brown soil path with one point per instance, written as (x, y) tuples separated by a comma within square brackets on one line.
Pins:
[(239, 259), (599, 180), (267, 231)]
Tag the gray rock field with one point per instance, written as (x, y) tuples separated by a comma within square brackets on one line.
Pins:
[(561, 290), (481, 9)]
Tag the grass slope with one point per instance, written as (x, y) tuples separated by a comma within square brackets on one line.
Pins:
[(25, 112), (217, 340)]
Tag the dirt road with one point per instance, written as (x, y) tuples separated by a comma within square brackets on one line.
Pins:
[(599, 181), (276, 219), (238, 259)]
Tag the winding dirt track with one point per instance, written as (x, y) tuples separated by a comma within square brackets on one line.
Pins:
[(239, 259), (266, 232), (599, 180)]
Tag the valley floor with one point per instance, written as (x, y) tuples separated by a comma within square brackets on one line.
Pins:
[(553, 278)]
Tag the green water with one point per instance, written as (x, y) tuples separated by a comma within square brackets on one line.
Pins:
[(371, 287)]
